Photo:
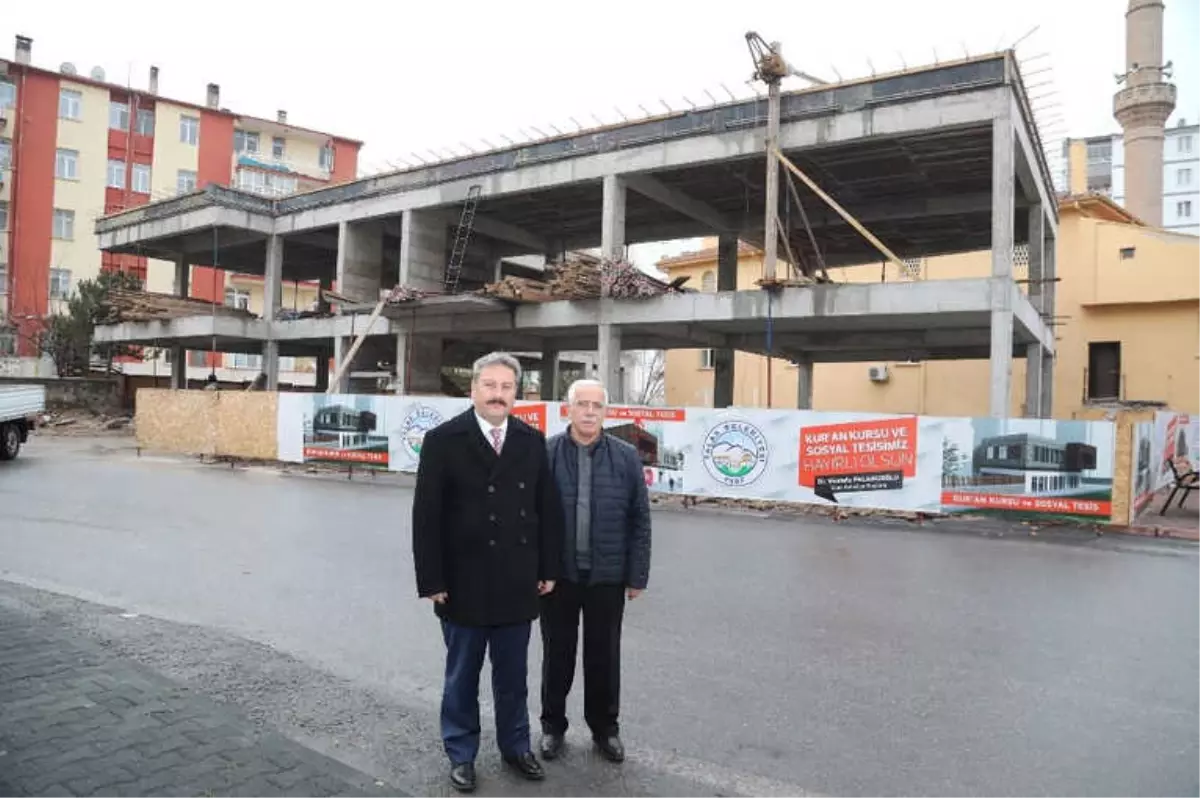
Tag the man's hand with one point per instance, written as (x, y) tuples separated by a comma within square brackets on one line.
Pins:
[(633, 593), (439, 598), (545, 587)]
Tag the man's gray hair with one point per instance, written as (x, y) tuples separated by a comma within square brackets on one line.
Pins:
[(572, 390), (496, 359)]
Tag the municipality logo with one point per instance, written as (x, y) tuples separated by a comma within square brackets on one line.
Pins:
[(419, 421), (735, 453)]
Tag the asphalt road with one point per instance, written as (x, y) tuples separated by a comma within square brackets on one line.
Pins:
[(768, 656)]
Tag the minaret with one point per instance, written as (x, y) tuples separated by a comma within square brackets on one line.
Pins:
[(1142, 106)]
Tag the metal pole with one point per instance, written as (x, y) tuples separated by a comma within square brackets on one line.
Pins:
[(771, 234)]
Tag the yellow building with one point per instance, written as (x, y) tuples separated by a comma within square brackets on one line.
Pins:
[(1128, 307)]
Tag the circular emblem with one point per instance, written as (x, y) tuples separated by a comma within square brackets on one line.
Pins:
[(420, 420), (735, 452)]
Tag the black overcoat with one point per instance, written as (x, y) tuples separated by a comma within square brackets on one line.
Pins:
[(486, 527)]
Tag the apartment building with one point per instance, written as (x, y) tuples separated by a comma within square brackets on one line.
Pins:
[(1097, 164), (75, 147)]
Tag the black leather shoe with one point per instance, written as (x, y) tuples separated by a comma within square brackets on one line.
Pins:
[(611, 748), (552, 745), (462, 777), (527, 765)]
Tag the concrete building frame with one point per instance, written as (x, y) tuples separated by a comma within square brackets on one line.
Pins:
[(934, 160)]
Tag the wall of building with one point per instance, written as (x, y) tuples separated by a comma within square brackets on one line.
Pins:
[(31, 211), (88, 136), (171, 156)]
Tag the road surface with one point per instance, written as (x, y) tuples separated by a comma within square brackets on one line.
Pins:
[(768, 657)]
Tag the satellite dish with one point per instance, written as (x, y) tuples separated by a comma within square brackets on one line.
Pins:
[(68, 68), (97, 73)]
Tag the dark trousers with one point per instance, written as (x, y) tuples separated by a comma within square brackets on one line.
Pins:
[(508, 647), (602, 608)]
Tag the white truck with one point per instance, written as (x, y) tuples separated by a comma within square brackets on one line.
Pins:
[(20, 407)]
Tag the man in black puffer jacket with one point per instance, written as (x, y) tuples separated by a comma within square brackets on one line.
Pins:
[(606, 559)]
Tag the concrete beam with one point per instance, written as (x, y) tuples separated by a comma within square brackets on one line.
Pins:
[(502, 231), (946, 111), (1028, 171), (679, 201), (111, 236)]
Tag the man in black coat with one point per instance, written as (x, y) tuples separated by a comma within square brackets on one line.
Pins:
[(487, 532), (606, 559)]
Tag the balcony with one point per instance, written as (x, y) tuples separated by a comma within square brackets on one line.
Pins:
[(1144, 104)]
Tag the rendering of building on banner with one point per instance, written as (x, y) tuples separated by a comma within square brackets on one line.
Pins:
[(346, 429), (1056, 467)]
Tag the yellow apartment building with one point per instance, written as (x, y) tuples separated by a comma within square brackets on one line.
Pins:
[(1128, 307)]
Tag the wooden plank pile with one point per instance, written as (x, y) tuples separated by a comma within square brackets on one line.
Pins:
[(124, 305), (582, 276)]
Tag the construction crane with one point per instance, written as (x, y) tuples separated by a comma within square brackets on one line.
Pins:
[(771, 68)]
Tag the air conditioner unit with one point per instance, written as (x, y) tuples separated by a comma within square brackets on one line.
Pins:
[(878, 373)]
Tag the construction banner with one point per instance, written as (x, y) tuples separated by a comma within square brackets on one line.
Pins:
[(658, 433)]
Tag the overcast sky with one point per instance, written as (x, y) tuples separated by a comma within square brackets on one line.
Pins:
[(434, 75)]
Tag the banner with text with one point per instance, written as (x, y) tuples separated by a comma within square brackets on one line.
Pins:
[(896, 462)]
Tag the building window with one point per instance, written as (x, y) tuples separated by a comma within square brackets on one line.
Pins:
[(118, 116), (70, 104), (8, 94), (116, 173), (145, 122), (1185, 143), (66, 165), (189, 129), (3, 279), (706, 358), (244, 141), (277, 147), (60, 283), (3, 216), (64, 225), (185, 182), (1104, 370), (237, 298), (1183, 209), (327, 158), (8, 341), (708, 281), (5, 153), (1127, 253), (1099, 151), (267, 184), (1183, 177), (141, 178)]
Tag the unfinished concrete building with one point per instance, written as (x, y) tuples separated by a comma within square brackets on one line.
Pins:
[(934, 160)]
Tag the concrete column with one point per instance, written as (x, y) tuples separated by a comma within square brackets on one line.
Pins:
[(1049, 299), (723, 359), (341, 346), (612, 232), (1037, 262), (183, 273), (551, 374), (804, 384), (423, 250), (608, 358), (359, 260), (1033, 380), (270, 364), (1047, 410), (179, 367), (322, 377), (273, 278), (1003, 197)]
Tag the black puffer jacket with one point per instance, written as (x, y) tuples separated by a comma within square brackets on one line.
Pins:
[(620, 506)]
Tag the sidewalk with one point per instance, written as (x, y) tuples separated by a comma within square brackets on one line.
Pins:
[(76, 719)]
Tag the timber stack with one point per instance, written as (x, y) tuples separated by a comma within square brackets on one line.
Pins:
[(582, 276), (124, 305)]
